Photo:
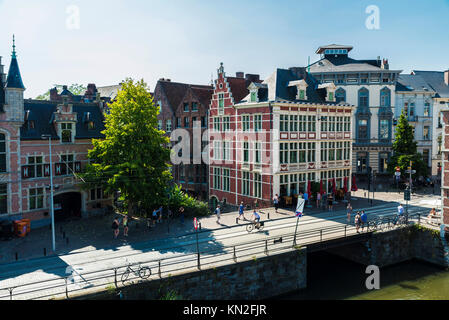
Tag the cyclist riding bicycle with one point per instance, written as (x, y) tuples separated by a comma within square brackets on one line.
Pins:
[(399, 214), (256, 219)]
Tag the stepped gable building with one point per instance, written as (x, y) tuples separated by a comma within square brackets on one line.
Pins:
[(276, 136), (369, 85), (24, 155), (438, 81), (186, 106)]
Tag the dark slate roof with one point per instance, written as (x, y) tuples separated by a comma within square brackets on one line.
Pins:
[(411, 83), (204, 94), (41, 112), (342, 63), (278, 88), (14, 79), (176, 91), (2, 94), (436, 80)]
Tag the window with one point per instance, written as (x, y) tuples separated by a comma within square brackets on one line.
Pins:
[(257, 152), (283, 123), (245, 123), (2, 152), (194, 106), (293, 153), (186, 122), (426, 133), (226, 180), (178, 122), (257, 185), (226, 150), (323, 151), (412, 110), (159, 124), (302, 149), (363, 129), (203, 122), (246, 152), (186, 107), (68, 164), (293, 123), (312, 124), (36, 198), (35, 167), (217, 150), (324, 127), (383, 162), (385, 97), (3, 198), (168, 125), (96, 194), (159, 105), (339, 151), (426, 109), (258, 122), (340, 95), (363, 98), (226, 124), (283, 153), (245, 183), (362, 161), (220, 101), (217, 180), (331, 151), (384, 129), (254, 96), (331, 96), (216, 123), (66, 132), (301, 94)]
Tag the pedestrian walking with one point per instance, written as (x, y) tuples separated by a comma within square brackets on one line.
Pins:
[(154, 217), (159, 219), (276, 202), (349, 212), (217, 212), (318, 200), (330, 201), (181, 214), (241, 208), (357, 221), (324, 201), (125, 226), (115, 228)]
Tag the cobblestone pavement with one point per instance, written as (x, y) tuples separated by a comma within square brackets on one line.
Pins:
[(94, 233)]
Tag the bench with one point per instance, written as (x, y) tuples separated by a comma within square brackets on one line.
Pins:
[(434, 219)]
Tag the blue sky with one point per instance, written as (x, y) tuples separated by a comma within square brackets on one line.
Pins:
[(185, 40)]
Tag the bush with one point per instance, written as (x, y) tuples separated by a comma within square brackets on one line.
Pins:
[(192, 207)]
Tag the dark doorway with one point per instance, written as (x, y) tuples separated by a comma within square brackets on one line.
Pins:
[(67, 205)]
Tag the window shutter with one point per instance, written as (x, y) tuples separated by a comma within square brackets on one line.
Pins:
[(25, 172), (46, 170), (58, 169)]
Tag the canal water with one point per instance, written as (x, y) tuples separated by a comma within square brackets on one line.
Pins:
[(334, 278)]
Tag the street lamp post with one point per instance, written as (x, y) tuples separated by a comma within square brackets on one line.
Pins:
[(52, 210)]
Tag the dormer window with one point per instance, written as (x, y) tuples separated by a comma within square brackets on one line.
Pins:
[(66, 132), (254, 96), (330, 91), (301, 88), (331, 96), (302, 94)]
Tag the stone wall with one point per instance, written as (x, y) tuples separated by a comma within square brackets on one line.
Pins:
[(259, 278), (387, 248)]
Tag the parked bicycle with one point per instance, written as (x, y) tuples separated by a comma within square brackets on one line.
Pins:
[(142, 272), (255, 225), (400, 220), (376, 225)]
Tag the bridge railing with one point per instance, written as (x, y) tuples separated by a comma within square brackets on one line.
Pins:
[(111, 278)]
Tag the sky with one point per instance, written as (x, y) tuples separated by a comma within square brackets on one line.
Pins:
[(106, 41)]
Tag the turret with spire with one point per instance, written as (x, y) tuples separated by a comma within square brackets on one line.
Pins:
[(14, 89)]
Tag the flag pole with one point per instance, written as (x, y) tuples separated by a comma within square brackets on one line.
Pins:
[(298, 213)]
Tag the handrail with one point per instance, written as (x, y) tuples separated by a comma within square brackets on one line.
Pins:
[(187, 261)]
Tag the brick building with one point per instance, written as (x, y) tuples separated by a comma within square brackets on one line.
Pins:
[(71, 121), (445, 170), (275, 136), (185, 106)]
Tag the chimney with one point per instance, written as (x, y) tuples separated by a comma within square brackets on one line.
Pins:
[(54, 94), (240, 74), (385, 64), (446, 77), (252, 77)]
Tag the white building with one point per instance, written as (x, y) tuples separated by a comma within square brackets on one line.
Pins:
[(369, 85)]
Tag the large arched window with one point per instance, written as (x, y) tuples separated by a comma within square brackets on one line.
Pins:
[(385, 97), (340, 95), (363, 98), (2, 152)]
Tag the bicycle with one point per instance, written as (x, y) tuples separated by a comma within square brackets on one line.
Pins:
[(142, 272), (376, 225), (400, 220), (250, 227)]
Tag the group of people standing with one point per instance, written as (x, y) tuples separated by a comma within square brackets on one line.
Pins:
[(360, 219)]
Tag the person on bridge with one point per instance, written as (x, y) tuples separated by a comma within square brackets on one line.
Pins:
[(276, 202), (364, 218), (400, 214), (357, 221), (217, 212), (318, 199), (256, 219), (125, 226), (349, 212), (115, 228), (241, 208)]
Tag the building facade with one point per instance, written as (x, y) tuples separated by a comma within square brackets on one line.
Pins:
[(186, 106), (438, 81), (445, 171), (369, 85), (277, 137), (70, 122), (415, 97)]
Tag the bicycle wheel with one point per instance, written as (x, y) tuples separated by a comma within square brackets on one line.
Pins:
[(144, 272), (250, 227), (261, 225), (125, 276)]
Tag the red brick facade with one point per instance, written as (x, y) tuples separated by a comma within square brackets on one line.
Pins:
[(445, 170)]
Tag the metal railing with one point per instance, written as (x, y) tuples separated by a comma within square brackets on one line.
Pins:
[(110, 278)]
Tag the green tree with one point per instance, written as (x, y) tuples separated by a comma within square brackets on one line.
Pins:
[(132, 158), (76, 89), (405, 150)]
